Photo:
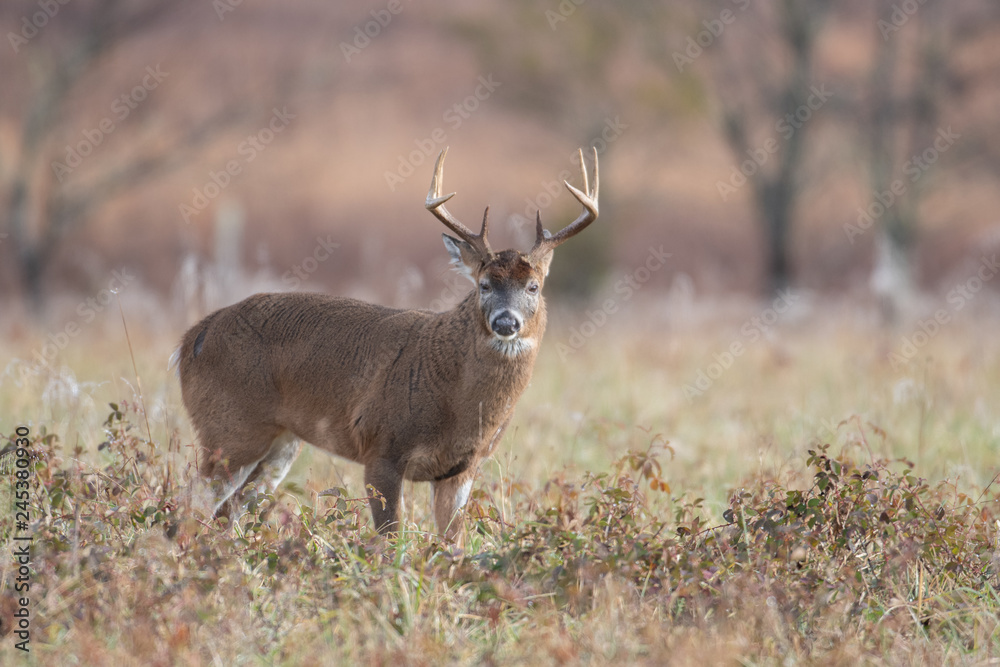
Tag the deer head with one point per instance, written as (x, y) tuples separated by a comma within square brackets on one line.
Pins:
[(508, 283)]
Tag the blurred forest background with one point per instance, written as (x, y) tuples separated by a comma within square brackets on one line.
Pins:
[(193, 152), (797, 196)]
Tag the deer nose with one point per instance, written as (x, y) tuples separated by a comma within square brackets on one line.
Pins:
[(506, 324)]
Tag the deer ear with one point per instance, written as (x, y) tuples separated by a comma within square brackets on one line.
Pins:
[(543, 262), (464, 258)]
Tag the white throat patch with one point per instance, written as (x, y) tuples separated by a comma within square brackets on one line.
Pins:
[(511, 347)]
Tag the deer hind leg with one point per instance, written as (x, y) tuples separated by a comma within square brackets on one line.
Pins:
[(230, 460), (224, 486), (278, 461), (450, 496), (270, 470)]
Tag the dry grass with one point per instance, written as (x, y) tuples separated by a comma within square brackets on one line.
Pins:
[(878, 547)]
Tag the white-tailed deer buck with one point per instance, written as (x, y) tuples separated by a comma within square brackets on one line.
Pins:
[(410, 394)]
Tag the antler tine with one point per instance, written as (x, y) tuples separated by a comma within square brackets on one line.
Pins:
[(486, 223), (435, 204), (588, 198)]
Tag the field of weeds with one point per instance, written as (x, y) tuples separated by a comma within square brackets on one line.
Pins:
[(822, 497)]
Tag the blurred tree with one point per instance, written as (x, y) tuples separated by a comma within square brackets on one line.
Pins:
[(900, 110), (769, 65), (765, 82), (757, 65), (61, 47)]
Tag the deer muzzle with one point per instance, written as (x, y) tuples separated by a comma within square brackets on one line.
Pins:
[(506, 324)]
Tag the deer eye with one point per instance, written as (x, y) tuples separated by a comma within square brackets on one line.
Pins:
[(484, 287), (533, 288)]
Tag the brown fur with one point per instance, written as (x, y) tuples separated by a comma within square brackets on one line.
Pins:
[(510, 265), (410, 394)]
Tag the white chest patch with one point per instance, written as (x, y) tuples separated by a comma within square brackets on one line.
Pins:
[(462, 495)]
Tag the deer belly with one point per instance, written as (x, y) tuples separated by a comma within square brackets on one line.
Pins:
[(426, 465), (324, 434)]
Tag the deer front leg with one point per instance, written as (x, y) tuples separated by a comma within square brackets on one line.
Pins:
[(450, 496), (387, 480)]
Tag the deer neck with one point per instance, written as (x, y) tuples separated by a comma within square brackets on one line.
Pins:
[(491, 374)]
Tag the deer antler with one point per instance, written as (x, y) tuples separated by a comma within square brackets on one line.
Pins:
[(544, 242), (435, 204)]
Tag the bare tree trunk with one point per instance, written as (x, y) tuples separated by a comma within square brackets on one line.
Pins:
[(775, 190), (778, 241), (40, 211), (898, 119), (27, 262)]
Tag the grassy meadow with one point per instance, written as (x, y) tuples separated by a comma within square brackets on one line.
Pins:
[(820, 502)]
